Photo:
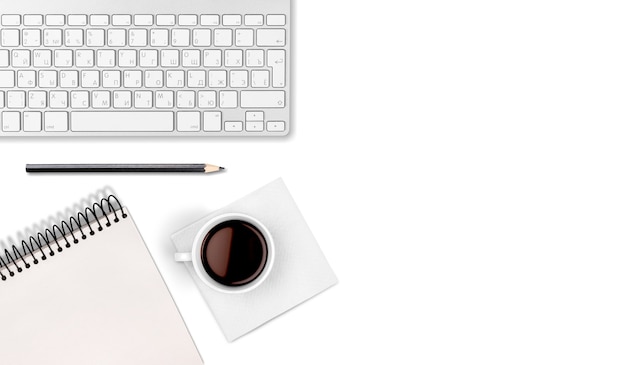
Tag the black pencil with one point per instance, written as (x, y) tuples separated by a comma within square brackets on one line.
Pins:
[(198, 168)]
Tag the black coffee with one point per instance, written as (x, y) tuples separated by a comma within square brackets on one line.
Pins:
[(234, 253)]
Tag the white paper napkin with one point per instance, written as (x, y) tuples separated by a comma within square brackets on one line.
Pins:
[(300, 269)]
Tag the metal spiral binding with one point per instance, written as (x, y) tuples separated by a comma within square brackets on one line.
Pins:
[(78, 226)]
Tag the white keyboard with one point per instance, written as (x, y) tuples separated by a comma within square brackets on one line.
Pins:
[(144, 68)]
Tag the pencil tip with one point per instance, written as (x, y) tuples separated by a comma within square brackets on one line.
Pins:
[(222, 168)]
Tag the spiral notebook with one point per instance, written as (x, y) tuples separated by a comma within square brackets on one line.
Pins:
[(87, 291)]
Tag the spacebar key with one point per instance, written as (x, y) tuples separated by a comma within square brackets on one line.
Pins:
[(122, 121)]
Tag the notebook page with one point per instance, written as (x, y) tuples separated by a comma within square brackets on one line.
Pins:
[(102, 301)]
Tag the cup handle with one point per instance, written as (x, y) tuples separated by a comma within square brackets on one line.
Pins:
[(182, 256)]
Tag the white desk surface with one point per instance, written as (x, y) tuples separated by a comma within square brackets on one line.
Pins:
[(462, 165)]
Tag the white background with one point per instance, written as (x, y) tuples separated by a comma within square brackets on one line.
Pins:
[(460, 162)]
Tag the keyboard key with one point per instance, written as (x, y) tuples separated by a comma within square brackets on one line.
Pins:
[(201, 37), (196, 78), (90, 79), (276, 60), (116, 37), (276, 20), (185, 99), (228, 99), (77, 20), (159, 37), (16, 99), (79, 99), (260, 78), (180, 37), (233, 58), (105, 58), (253, 20), (127, 58), (55, 122), (47, 79), (270, 37), (112, 121), (95, 37), (143, 20), (10, 37), (148, 58), (7, 79), (238, 78), (20, 58), (133, 79), (36, 100), (99, 20), (58, 99), (111, 78), (217, 78), (231, 20), (63, 58), (175, 79), (101, 99), (206, 99), (166, 20), (188, 121), (26, 79), (143, 99), (11, 121), (169, 58), (121, 20), (84, 58), (32, 122), (33, 20), (122, 99), (187, 20), (209, 19), (52, 37), (153, 78), (11, 20), (164, 99), (254, 126), (31, 37), (74, 37), (223, 37), (4, 58), (233, 126), (69, 79), (212, 58), (244, 37), (212, 121), (254, 116), (276, 126), (262, 99), (55, 20), (255, 58), (138, 37)]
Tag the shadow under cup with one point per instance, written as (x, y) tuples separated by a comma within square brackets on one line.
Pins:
[(234, 253)]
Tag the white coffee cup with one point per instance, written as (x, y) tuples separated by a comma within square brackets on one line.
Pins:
[(195, 256)]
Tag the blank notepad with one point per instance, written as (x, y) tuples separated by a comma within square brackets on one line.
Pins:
[(101, 301)]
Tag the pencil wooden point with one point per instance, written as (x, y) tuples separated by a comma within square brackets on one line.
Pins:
[(212, 168)]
